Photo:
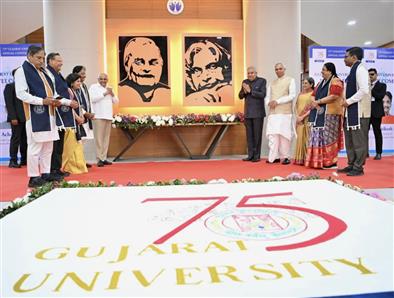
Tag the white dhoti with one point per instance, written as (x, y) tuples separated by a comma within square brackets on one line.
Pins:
[(39, 149), (279, 132)]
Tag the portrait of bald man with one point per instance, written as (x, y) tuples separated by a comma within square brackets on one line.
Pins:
[(143, 71)]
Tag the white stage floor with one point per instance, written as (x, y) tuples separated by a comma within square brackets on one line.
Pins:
[(283, 239)]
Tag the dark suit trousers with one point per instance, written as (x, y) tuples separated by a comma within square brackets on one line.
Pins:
[(18, 142), (56, 160), (356, 142), (376, 122), (254, 131)]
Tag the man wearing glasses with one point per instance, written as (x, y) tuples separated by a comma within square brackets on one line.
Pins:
[(357, 106), (378, 91)]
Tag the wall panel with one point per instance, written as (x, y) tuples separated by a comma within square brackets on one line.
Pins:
[(194, 9)]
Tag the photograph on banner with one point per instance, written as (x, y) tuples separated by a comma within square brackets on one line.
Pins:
[(143, 71), (11, 57), (381, 59), (208, 71)]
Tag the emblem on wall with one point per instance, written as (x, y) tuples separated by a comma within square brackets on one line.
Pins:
[(175, 7)]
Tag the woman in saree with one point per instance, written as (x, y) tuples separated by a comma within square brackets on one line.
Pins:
[(325, 121), (303, 107), (73, 156)]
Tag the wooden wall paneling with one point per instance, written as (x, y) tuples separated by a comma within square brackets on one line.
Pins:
[(163, 143), (194, 9), (36, 36)]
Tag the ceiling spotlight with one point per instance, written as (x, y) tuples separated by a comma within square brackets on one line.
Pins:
[(367, 43), (351, 23)]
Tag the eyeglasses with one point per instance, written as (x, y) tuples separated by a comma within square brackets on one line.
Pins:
[(371, 74)]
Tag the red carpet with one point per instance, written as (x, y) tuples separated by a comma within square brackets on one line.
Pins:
[(378, 174)]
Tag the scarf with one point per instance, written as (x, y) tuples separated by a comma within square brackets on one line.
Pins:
[(352, 119), (64, 114), (85, 100), (80, 130), (317, 116), (40, 85)]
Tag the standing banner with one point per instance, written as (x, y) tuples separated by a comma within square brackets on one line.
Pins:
[(382, 59), (11, 57)]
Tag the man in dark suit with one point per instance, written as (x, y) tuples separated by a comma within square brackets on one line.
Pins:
[(378, 91), (16, 117), (253, 91)]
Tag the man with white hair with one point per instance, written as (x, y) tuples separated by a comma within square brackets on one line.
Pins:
[(253, 91), (280, 96), (103, 98)]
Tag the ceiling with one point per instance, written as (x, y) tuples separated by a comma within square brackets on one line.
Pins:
[(325, 22)]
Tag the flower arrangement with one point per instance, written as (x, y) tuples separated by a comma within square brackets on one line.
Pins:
[(151, 121), (40, 191)]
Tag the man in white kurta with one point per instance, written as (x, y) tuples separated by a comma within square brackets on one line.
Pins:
[(103, 98), (40, 143), (280, 95)]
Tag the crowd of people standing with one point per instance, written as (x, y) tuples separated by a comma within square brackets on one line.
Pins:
[(52, 116), (327, 116)]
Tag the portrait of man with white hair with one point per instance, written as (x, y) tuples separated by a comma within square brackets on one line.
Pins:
[(208, 71), (143, 71)]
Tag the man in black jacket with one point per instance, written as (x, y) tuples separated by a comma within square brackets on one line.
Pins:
[(253, 91), (54, 65), (378, 91), (16, 117)]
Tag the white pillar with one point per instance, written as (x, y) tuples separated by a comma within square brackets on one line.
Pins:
[(272, 33), (76, 30)]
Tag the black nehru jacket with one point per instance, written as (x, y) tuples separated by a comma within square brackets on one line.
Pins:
[(254, 101), (14, 105), (378, 92)]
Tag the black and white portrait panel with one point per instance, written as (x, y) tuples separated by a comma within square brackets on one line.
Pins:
[(144, 71), (208, 71)]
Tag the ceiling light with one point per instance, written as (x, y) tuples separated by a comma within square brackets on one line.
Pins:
[(351, 23), (367, 43)]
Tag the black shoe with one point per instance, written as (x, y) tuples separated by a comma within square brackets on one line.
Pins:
[(378, 156), (60, 173), (107, 163), (100, 163), (255, 160), (247, 159), (88, 165), (286, 161), (345, 170), (51, 177), (275, 161), (36, 182), (23, 163), (355, 173), (14, 164), (333, 166)]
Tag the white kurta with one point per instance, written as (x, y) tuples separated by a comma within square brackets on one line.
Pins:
[(281, 124), (102, 104), (39, 144)]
